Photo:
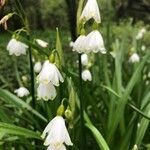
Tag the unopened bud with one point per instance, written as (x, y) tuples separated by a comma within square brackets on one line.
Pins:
[(52, 58), (60, 110), (68, 114), (135, 147)]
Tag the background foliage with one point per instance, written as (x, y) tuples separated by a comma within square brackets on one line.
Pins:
[(117, 101)]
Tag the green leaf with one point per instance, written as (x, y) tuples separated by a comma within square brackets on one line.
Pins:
[(20, 131), (143, 126), (60, 58), (124, 99), (72, 96), (11, 98), (97, 135)]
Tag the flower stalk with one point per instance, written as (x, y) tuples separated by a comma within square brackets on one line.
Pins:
[(31, 74), (83, 136)]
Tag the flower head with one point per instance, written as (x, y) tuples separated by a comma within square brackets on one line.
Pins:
[(50, 73), (46, 91), (84, 59), (80, 44), (41, 43), (140, 34), (37, 67), (16, 47), (95, 42), (86, 75), (91, 10), (56, 134), (21, 92), (134, 58)]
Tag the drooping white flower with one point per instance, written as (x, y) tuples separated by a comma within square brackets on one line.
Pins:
[(21, 92), (80, 44), (16, 47), (86, 75), (143, 47), (46, 91), (37, 67), (134, 58), (41, 43), (84, 59), (140, 34), (91, 10), (50, 73), (56, 134), (95, 43)]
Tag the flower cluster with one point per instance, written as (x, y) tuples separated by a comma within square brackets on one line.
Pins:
[(48, 78), (92, 42)]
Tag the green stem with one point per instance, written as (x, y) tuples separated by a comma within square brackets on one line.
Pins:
[(31, 75), (83, 136), (17, 72)]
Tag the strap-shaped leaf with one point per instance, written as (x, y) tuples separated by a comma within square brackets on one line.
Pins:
[(11, 98), (20, 131)]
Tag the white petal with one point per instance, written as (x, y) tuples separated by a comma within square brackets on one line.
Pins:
[(60, 147), (46, 91), (91, 10), (16, 47), (84, 59), (41, 43), (21, 92), (134, 58), (56, 132), (37, 67), (95, 42), (86, 75), (50, 73), (80, 44)]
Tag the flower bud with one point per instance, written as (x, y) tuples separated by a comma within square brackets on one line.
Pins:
[(60, 110), (68, 113), (52, 58)]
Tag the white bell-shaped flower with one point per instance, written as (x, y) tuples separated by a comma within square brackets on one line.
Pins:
[(46, 91), (16, 47), (41, 43), (86, 75), (95, 43), (21, 92), (140, 34), (37, 67), (59, 147), (91, 10), (80, 44), (50, 73), (143, 47), (134, 58), (84, 59), (56, 134)]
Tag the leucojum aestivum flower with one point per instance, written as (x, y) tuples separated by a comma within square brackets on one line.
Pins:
[(56, 135)]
